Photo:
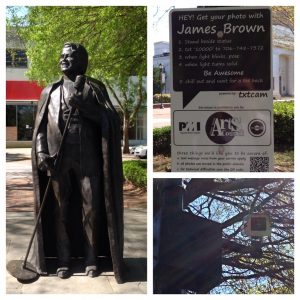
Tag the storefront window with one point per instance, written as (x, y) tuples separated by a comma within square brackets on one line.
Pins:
[(11, 117), (26, 115), (21, 117)]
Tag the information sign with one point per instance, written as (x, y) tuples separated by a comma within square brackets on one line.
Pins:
[(222, 100)]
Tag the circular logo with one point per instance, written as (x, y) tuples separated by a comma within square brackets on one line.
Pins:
[(220, 128), (257, 127)]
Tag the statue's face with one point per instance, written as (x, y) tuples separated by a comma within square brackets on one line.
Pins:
[(69, 61)]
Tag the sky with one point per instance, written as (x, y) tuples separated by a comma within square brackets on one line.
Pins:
[(161, 19), (161, 23)]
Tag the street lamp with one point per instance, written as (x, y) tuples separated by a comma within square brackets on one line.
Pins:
[(257, 225), (161, 81)]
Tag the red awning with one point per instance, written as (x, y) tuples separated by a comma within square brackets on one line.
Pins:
[(22, 90)]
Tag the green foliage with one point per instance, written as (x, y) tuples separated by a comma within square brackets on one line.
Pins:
[(166, 98), (115, 38), (264, 285), (284, 16), (284, 125), (135, 171), (129, 98), (162, 141)]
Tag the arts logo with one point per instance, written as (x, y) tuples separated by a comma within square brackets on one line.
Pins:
[(257, 127), (221, 127), (189, 127)]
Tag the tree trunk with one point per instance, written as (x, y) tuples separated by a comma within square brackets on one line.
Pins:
[(125, 136)]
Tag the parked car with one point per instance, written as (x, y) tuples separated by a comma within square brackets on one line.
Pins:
[(141, 151), (132, 149)]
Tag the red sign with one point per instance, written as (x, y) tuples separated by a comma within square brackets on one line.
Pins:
[(22, 90)]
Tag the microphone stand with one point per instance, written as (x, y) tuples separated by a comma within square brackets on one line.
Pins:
[(21, 269)]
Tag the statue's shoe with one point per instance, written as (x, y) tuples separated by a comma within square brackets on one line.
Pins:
[(63, 272), (91, 271)]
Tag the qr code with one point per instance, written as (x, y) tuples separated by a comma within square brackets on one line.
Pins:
[(259, 164)]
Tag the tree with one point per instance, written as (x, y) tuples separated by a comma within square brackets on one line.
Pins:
[(283, 35), (158, 86), (229, 201), (115, 38), (284, 16), (130, 100)]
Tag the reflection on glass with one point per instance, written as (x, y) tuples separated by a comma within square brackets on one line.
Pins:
[(26, 116), (11, 119)]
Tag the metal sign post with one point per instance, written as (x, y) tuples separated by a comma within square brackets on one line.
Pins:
[(190, 248), (222, 100)]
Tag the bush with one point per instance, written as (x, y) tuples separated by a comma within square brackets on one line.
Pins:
[(166, 98), (162, 141), (284, 125), (135, 171)]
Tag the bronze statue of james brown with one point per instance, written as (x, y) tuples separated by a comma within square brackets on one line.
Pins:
[(83, 216)]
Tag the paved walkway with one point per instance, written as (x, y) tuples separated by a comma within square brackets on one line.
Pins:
[(161, 117), (19, 226)]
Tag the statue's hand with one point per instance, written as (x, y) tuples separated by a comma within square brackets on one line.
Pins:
[(45, 162)]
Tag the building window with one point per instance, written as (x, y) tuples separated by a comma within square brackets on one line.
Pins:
[(16, 58), (26, 116), (137, 132), (20, 121), (140, 127), (11, 115)]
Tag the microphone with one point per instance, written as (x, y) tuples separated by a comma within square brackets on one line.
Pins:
[(79, 83), (78, 87)]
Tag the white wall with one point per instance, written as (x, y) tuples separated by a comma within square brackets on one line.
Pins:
[(276, 93), (16, 74), (161, 47), (290, 83), (283, 65)]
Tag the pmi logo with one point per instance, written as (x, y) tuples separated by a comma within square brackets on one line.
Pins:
[(221, 127), (189, 127)]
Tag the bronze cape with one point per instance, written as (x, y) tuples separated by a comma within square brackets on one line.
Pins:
[(110, 218)]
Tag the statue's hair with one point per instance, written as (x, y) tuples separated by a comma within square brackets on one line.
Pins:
[(81, 52)]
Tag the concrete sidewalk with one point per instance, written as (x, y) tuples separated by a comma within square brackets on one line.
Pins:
[(19, 226), (161, 117)]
